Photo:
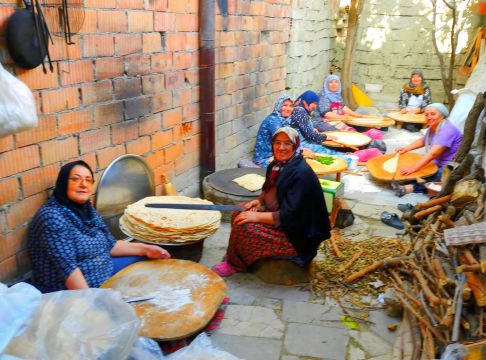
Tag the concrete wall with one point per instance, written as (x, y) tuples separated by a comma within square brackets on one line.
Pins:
[(310, 50), (395, 37)]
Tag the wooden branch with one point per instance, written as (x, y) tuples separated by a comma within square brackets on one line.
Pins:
[(334, 245), (431, 297), (457, 174), (351, 262), (364, 271), (446, 220), (433, 202), (423, 213), (444, 280)]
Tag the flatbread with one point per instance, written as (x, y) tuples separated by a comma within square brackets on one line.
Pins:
[(391, 164), (352, 138), (406, 117), (186, 296), (251, 182)]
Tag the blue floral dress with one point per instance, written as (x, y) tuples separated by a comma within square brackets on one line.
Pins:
[(59, 241)]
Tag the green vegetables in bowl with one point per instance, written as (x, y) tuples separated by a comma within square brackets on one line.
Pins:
[(326, 160)]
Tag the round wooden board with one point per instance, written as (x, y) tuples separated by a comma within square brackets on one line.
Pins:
[(408, 118), (337, 166), (186, 293), (370, 121), (352, 138), (375, 167)]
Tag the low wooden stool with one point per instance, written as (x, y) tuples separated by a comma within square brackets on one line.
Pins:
[(280, 272)]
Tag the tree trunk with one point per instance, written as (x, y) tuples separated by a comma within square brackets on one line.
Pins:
[(346, 76)]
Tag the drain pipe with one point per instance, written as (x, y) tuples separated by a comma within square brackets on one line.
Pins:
[(206, 87)]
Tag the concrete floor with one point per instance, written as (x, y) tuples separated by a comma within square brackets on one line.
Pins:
[(270, 322)]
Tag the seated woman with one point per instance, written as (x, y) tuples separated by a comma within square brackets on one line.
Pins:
[(312, 139), (288, 220), (415, 94), (70, 246), (441, 142), (279, 117)]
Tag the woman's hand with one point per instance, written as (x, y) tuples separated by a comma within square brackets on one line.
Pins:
[(409, 170), (308, 153), (400, 151), (246, 217), (403, 111), (252, 205), (156, 252)]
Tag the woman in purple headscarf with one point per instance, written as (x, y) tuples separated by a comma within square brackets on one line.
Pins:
[(289, 220)]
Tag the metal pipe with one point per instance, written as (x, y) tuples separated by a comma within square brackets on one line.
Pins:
[(207, 87)]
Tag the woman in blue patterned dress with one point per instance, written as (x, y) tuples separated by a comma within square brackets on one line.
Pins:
[(70, 246)]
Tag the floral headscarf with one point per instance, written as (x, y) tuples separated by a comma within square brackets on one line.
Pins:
[(309, 97), (291, 133), (278, 108), (332, 96)]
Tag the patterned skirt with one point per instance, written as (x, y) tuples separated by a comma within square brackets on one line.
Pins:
[(253, 241)]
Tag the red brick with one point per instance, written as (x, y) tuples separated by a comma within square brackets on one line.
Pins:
[(192, 41), (128, 44), (190, 111), (129, 4), (151, 42), (60, 99), (137, 107), (9, 191), (161, 62), (185, 60), (176, 42), (137, 65), (108, 4), (97, 92), (122, 132), (44, 131), (187, 6), (6, 143), (192, 144), (76, 72), (89, 23), (112, 21), (164, 21), (61, 51), (187, 22), (140, 21), (90, 159), (161, 139), (155, 158), (126, 88), (98, 45), (36, 79), (150, 124), (174, 80), (38, 180), (58, 150), (186, 163), (13, 242), (173, 152), (24, 210), (8, 270), (109, 68), (159, 5), (75, 122), (153, 84), (182, 97), (94, 140), (139, 146), (23, 262), (107, 155), (108, 114), (192, 76), (16, 161), (162, 102)]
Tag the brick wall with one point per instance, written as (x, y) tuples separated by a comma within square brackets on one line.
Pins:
[(130, 85)]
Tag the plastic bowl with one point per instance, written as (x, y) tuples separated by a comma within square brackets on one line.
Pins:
[(433, 188)]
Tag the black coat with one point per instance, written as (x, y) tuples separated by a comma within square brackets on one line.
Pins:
[(303, 213)]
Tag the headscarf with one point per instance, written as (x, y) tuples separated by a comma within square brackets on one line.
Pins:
[(60, 191), (278, 108), (333, 96), (440, 107), (309, 97), (277, 166), (411, 88)]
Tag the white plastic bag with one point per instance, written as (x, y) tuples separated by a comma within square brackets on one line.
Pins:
[(201, 348), (78, 324), (17, 105)]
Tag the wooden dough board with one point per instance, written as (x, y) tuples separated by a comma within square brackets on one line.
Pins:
[(375, 167), (370, 121), (187, 296), (408, 118), (337, 166), (363, 139)]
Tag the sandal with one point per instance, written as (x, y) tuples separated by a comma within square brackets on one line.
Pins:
[(391, 220), (224, 269), (398, 189), (405, 207)]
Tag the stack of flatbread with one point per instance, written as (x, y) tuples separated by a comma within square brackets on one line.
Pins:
[(169, 225)]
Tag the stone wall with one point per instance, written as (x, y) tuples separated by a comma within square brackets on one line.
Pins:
[(394, 38), (310, 50), (130, 85)]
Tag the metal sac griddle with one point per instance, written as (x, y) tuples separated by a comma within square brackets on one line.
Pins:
[(223, 181), (125, 181)]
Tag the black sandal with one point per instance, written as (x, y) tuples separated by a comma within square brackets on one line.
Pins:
[(391, 220)]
